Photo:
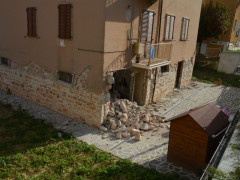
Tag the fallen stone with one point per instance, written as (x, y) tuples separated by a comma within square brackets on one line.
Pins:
[(123, 106), (128, 123), (119, 135), (119, 123), (138, 137), (112, 120), (144, 126), (136, 119), (123, 128), (130, 129), (126, 135), (113, 126), (161, 125), (119, 114), (124, 115), (151, 127), (146, 118), (134, 132), (123, 120), (102, 128), (111, 113)]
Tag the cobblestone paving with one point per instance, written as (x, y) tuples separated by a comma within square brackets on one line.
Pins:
[(152, 150)]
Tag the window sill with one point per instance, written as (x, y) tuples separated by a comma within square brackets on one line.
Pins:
[(5, 66), (64, 83), (169, 40), (32, 37)]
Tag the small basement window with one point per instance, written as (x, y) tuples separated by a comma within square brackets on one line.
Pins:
[(65, 77), (165, 69), (5, 62)]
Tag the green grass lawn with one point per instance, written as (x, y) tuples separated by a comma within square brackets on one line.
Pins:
[(31, 149), (210, 76), (237, 51)]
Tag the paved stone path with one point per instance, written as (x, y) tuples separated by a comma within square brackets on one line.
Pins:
[(152, 150)]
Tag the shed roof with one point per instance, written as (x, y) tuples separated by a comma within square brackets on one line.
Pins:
[(210, 117)]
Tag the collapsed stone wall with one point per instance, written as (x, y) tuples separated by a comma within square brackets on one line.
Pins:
[(125, 119), (33, 83)]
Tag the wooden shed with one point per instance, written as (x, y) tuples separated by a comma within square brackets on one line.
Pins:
[(195, 135)]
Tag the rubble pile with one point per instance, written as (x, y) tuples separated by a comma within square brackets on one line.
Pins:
[(125, 119)]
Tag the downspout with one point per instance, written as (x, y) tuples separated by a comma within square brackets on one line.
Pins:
[(131, 29), (157, 40)]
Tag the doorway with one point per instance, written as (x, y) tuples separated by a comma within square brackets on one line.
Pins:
[(179, 74)]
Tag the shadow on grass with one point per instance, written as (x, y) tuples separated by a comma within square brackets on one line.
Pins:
[(20, 132), (31, 149)]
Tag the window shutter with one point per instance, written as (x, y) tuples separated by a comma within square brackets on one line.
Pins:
[(150, 26), (144, 32), (186, 29), (147, 26), (169, 27), (172, 27), (29, 21), (183, 28), (34, 28), (65, 29), (168, 19)]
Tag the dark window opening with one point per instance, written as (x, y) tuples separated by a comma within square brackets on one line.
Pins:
[(65, 77), (31, 22), (65, 22), (5, 62), (164, 69)]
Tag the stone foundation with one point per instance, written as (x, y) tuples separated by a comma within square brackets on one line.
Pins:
[(165, 82), (35, 84)]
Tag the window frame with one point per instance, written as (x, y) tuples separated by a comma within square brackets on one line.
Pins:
[(184, 28), (65, 82), (169, 30), (163, 72), (31, 21), (141, 26), (63, 34), (3, 64)]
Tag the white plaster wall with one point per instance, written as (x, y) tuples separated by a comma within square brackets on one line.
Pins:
[(228, 62)]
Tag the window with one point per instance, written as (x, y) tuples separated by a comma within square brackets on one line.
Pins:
[(147, 26), (65, 77), (169, 27), (235, 24), (31, 22), (65, 30), (5, 62), (164, 69), (185, 27)]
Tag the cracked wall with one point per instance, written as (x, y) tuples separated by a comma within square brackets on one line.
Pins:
[(34, 83)]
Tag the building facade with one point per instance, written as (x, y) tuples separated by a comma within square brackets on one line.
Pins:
[(74, 56)]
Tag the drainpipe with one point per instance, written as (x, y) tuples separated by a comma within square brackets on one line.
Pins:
[(160, 6), (131, 28)]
